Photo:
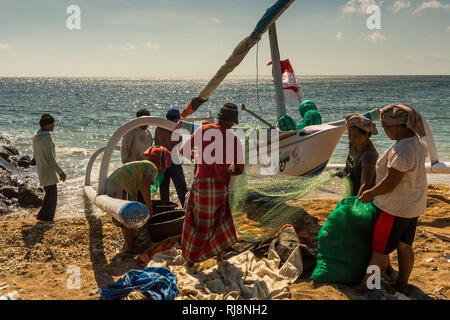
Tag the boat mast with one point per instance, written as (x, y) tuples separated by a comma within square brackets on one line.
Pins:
[(275, 53)]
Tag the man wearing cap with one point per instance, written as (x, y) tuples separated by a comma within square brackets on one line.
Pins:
[(208, 227), (175, 172), (135, 142), (48, 169)]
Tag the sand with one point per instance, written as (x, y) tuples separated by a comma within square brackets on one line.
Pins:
[(40, 260)]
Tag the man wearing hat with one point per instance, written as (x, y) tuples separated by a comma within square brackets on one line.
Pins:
[(208, 227), (48, 169), (135, 142), (175, 172)]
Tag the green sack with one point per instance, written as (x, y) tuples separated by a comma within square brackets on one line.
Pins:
[(286, 123), (159, 179), (345, 243)]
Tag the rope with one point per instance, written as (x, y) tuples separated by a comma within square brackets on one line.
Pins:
[(257, 75)]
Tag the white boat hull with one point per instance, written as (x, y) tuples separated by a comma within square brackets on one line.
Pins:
[(303, 155)]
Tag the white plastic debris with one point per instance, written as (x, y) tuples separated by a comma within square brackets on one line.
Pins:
[(429, 260), (10, 296)]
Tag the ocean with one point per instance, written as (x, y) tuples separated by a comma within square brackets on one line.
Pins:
[(89, 110)]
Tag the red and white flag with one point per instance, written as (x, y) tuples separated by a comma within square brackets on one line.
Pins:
[(291, 88)]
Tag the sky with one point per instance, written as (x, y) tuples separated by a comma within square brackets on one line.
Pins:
[(193, 38)]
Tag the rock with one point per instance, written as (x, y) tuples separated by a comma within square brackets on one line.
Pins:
[(33, 162), (12, 150), (4, 141), (4, 208), (24, 162), (9, 192), (29, 196), (4, 154)]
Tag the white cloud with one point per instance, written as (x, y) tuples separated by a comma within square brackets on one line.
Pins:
[(428, 55), (5, 46), (128, 47), (431, 5), (216, 20), (358, 6), (151, 45), (399, 5), (339, 35), (375, 37), (211, 20)]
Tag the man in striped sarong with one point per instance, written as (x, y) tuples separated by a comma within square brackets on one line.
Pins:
[(208, 227)]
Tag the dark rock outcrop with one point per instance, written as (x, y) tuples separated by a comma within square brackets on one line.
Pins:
[(4, 208), (20, 188), (24, 161), (30, 196), (9, 191)]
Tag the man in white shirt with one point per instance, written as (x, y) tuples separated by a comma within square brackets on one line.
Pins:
[(135, 142), (47, 167)]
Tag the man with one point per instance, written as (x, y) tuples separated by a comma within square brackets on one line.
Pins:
[(135, 142), (135, 179), (175, 172), (47, 167), (208, 227)]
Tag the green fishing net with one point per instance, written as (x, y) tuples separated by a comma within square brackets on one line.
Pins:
[(261, 205), (159, 179)]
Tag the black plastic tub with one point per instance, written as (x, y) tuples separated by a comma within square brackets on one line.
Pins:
[(159, 206), (165, 224)]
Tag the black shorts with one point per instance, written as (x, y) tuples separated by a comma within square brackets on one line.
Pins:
[(390, 230)]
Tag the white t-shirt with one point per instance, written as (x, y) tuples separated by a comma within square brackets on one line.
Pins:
[(409, 198), (134, 143)]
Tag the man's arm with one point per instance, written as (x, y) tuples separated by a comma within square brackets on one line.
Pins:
[(386, 185)]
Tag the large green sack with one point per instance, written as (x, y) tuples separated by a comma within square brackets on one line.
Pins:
[(345, 243), (286, 123)]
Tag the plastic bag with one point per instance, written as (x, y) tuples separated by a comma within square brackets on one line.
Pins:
[(345, 243)]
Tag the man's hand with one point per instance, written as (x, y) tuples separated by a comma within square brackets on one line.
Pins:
[(234, 171), (62, 176), (339, 173), (366, 196)]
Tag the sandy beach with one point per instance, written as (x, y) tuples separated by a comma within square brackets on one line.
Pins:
[(36, 257)]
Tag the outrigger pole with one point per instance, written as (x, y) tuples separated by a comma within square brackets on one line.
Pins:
[(239, 53)]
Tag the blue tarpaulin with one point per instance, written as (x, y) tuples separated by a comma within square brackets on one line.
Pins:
[(157, 283)]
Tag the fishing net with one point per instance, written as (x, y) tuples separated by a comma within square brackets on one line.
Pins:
[(261, 205), (159, 179)]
